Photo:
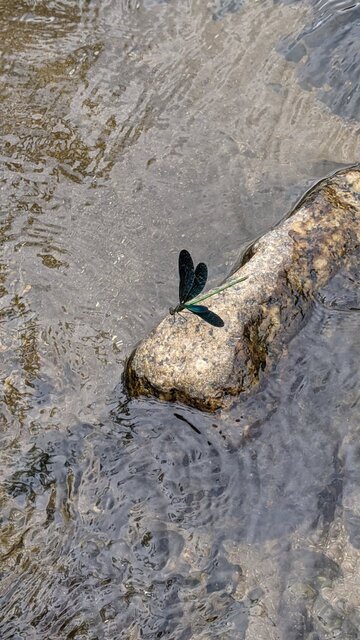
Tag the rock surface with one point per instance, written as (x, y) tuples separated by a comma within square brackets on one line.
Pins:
[(204, 366)]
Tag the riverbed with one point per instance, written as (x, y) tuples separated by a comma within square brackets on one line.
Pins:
[(132, 129)]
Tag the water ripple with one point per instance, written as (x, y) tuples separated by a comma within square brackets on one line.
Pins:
[(130, 130)]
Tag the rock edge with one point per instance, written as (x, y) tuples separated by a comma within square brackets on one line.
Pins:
[(206, 367)]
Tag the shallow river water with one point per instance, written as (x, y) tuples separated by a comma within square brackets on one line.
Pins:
[(129, 130)]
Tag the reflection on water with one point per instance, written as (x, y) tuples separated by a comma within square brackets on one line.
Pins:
[(328, 56), (131, 130)]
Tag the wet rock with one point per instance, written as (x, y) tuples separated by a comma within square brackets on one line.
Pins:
[(206, 367)]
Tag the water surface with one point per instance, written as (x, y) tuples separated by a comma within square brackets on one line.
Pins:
[(129, 131)]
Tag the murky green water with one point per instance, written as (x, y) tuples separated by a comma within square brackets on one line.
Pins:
[(129, 131)]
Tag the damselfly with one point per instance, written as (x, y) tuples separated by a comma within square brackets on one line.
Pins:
[(192, 282)]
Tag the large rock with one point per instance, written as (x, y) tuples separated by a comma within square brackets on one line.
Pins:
[(204, 366)]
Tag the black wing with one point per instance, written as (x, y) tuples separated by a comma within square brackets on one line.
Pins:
[(201, 274), (205, 314), (187, 275)]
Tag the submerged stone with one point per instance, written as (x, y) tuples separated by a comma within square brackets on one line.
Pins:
[(207, 367)]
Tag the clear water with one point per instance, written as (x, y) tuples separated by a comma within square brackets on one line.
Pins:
[(129, 131)]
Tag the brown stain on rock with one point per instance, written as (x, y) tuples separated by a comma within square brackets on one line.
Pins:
[(204, 367)]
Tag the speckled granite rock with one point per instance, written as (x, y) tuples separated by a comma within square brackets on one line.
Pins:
[(206, 367)]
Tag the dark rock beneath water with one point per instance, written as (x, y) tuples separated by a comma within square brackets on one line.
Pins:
[(223, 7), (327, 53)]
